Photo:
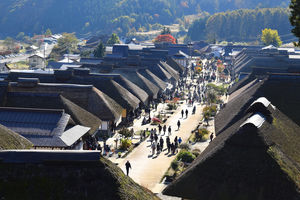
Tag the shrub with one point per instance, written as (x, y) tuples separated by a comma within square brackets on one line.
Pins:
[(196, 152), (184, 146), (125, 143), (171, 106), (126, 132), (185, 156), (174, 164), (199, 135)]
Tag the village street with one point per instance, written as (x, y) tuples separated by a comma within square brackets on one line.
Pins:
[(148, 170)]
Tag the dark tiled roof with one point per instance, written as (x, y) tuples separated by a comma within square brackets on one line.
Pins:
[(34, 122)]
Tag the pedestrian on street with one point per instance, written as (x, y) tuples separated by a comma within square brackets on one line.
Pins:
[(157, 148), (194, 110), (211, 136), (186, 113), (175, 139), (153, 148), (169, 130), (159, 128), (179, 140), (128, 166), (178, 125), (161, 142), (168, 144), (155, 138), (182, 113), (165, 129), (151, 138)]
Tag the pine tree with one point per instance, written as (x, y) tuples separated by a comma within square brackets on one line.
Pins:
[(99, 51), (295, 19)]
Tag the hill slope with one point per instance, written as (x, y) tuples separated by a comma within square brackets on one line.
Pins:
[(121, 15)]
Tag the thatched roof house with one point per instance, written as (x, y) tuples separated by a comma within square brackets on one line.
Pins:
[(65, 175), (257, 157), (153, 78), (134, 76), (12, 140), (85, 96), (175, 65), (170, 70), (112, 89), (160, 72)]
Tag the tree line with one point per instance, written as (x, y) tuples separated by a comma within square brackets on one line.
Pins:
[(106, 16), (240, 25)]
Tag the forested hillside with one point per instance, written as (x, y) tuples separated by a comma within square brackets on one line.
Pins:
[(82, 16), (241, 25)]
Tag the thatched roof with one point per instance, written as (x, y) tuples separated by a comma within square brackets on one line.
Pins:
[(153, 78), (85, 96), (160, 72), (71, 178), (135, 77), (170, 70), (257, 157), (12, 140), (175, 65), (109, 87)]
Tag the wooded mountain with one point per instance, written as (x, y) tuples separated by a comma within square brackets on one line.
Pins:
[(35, 16), (242, 25)]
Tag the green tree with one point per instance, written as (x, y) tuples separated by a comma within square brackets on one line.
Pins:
[(114, 39), (67, 43), (99, 51), (48, 32), (270, 37), (295, 19), (9, 43)]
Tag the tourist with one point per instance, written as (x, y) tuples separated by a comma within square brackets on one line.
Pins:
[(128, 166), (182, 113), (159, 129), (186, 113), (176, 146), (165, 129), (169, 130), (175, 139), (172, 148), (158, 148), (178, 125), (153, 148), (211, 136), (179, 140), (151, 138), (155, 137), (161, 142), (194, 110), (168, 144)]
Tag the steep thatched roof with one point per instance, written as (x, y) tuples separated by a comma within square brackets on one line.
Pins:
[(135, 77), (153, 78), (257, 157), (170, 70), (241, 83), (109, 87), (12, 140), (160, 72), (175, 65), (68, 179), (85, 96)]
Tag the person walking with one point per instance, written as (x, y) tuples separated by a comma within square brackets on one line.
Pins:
[(169, 130), (194, 110), (211, 136), (153, 148), (182, 113), (159, 129), (168, 144), (179, 140), (175, 139), (155, 138), (161, 142), (151, 138), (158, 149), (128, 166), (165, 129), (178, 124), (186, 113)]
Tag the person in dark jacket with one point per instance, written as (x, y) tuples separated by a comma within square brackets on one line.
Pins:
[(165, 129), (178, 124), (128, 166), (169, 130)]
